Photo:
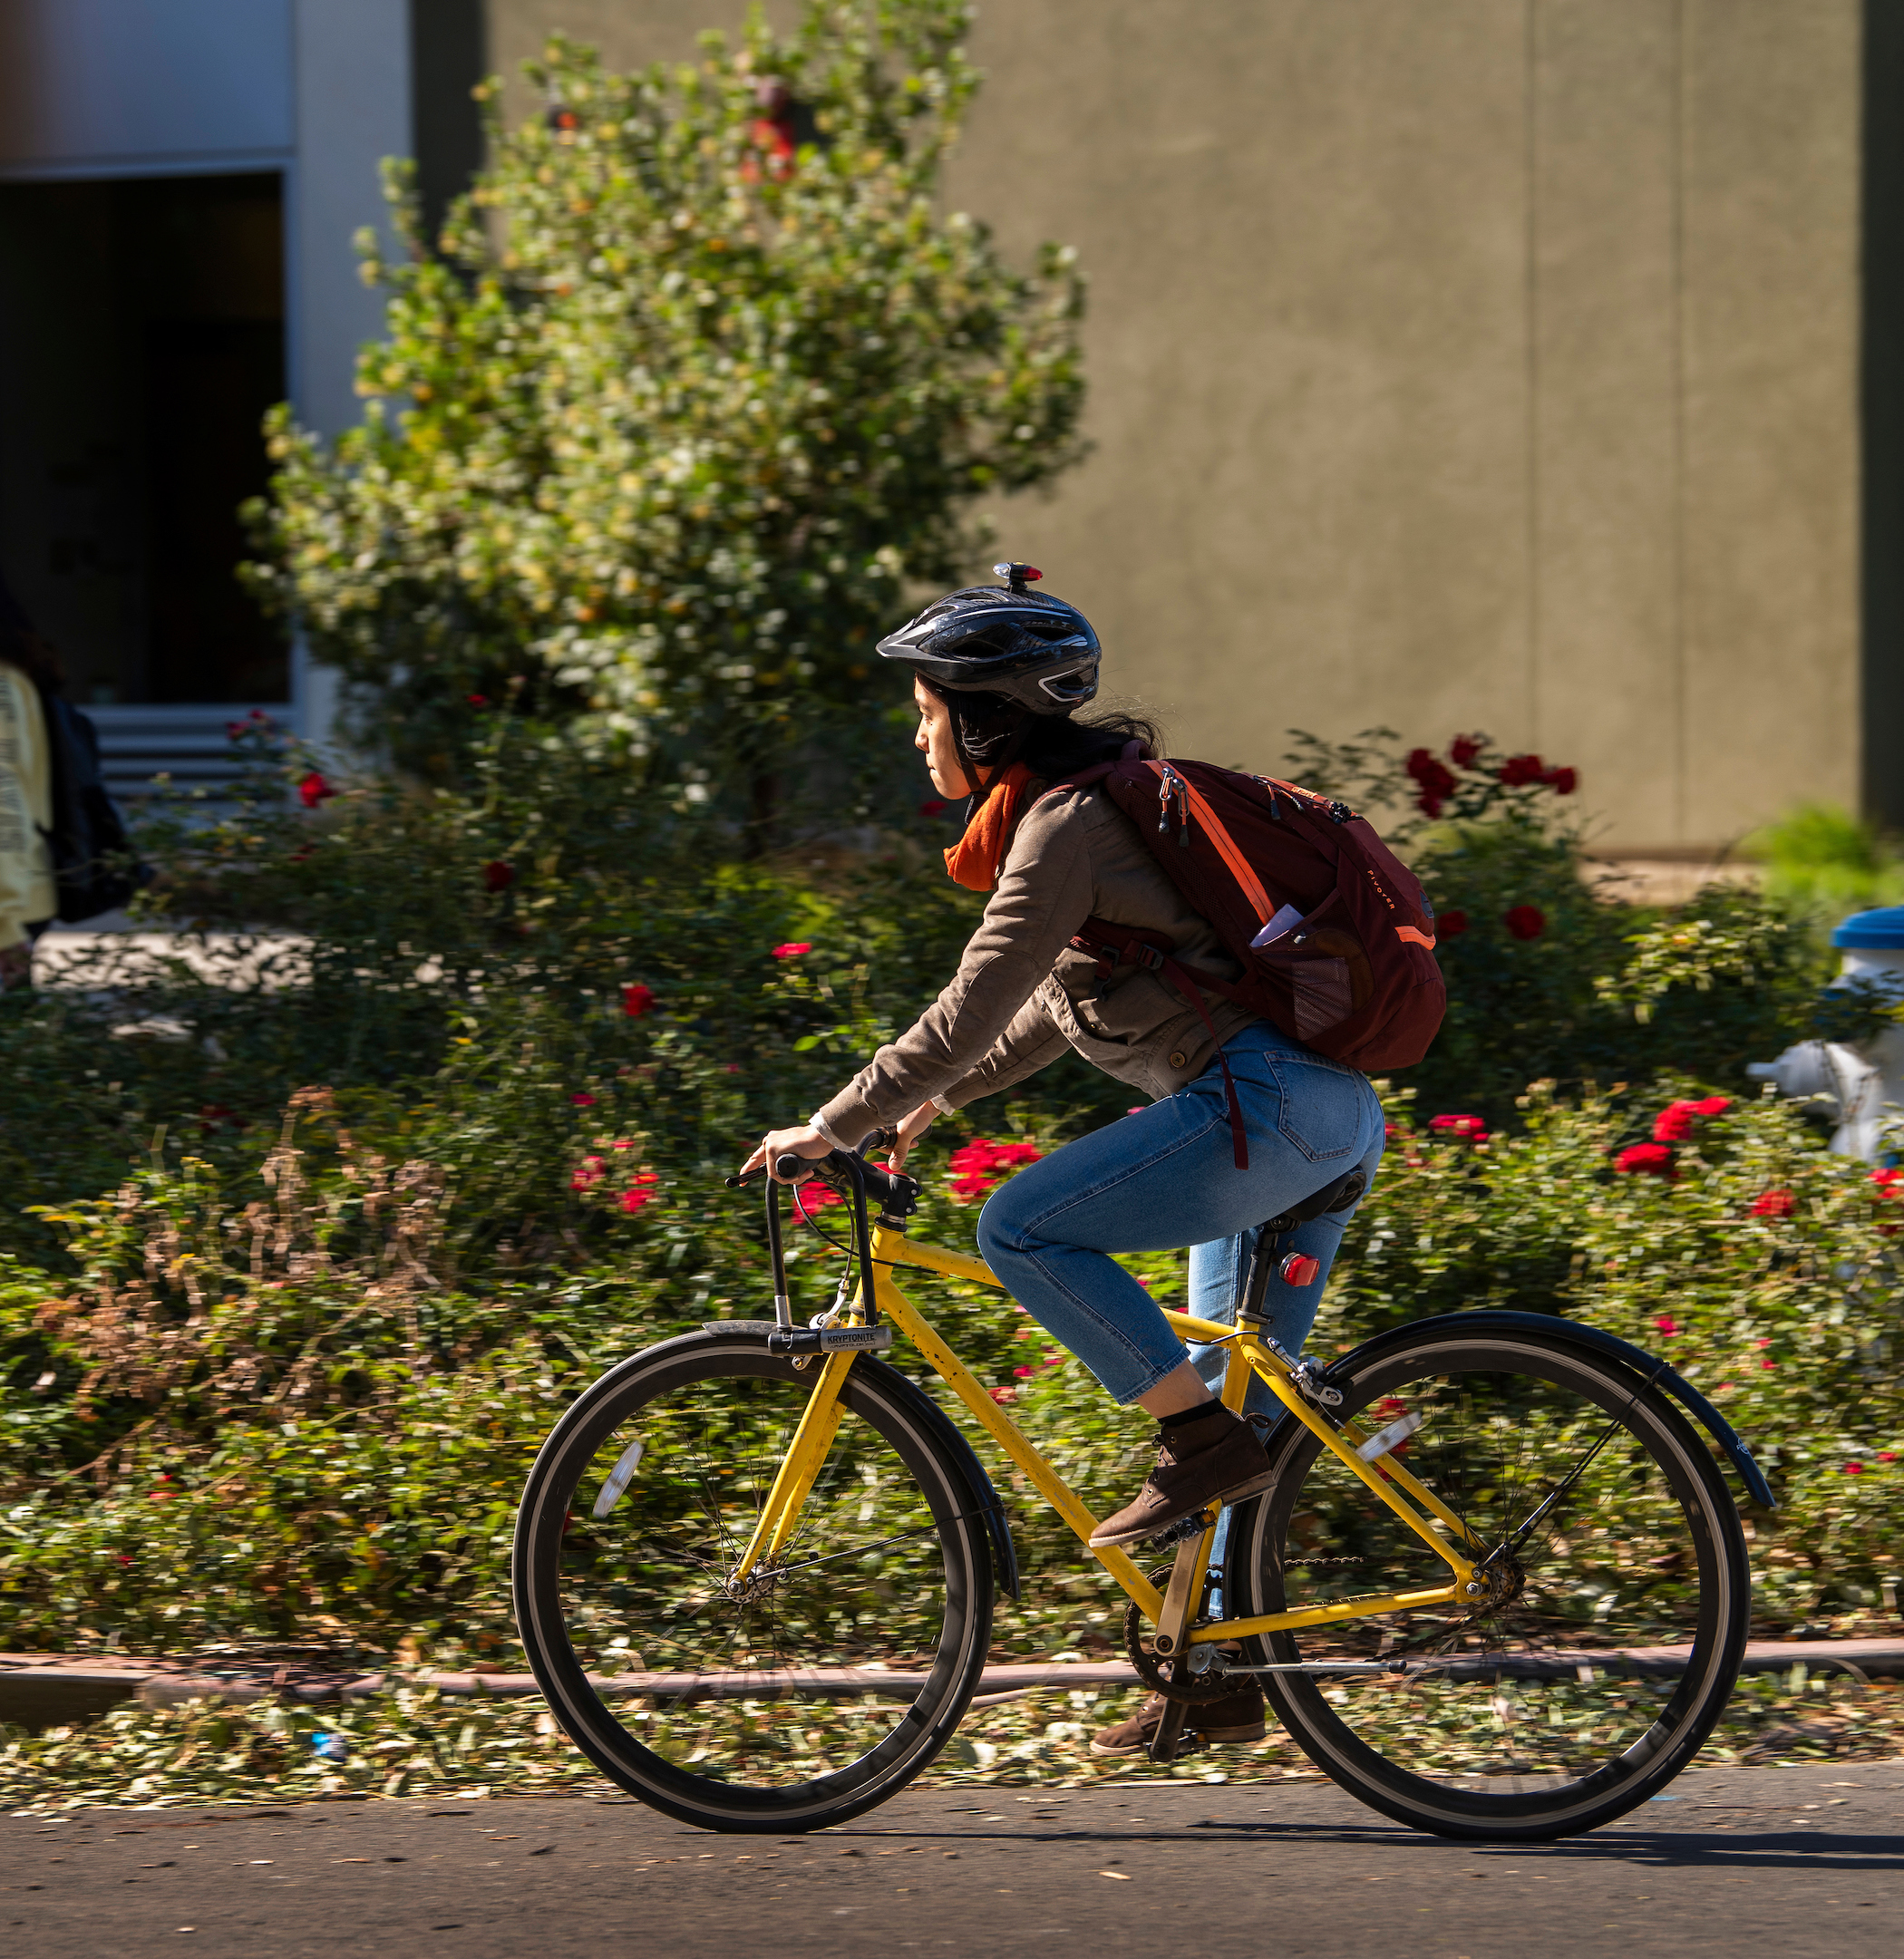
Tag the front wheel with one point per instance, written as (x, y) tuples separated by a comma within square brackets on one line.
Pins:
[(1610, 1635), (815, 1686)]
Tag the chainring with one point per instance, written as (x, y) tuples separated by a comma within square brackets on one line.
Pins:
[(1216, 1683)]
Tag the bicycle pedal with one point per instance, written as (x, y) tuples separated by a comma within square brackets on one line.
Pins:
[(1182, 1530)]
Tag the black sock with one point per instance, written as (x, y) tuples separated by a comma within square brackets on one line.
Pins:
[(1187, 1414)]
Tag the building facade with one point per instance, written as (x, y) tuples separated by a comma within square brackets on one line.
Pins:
[(1497, 364)]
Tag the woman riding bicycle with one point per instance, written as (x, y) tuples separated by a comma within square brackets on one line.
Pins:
[(998, 675)]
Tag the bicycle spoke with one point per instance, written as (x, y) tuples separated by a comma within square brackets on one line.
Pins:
[(1590, 1559)]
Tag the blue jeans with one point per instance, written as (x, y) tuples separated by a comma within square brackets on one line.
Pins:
[(1165, 1178)]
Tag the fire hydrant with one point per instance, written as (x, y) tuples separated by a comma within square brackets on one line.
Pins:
[(1858, 1082)]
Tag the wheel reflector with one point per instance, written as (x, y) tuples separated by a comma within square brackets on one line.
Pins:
[(619, 1477)]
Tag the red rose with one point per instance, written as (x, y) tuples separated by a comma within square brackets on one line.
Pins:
[(314, 789), (1773, 1203), (637, 1000), (478, 700), (1465, 748), (1667, 1324), (497, 876), (582, 1099), (1471, 1127), (1434, 781), (793, 948), (1451, 924), (1518, 771), (1563, 781), (975, 1166), (932, 806), (1854, 1469), (815, 1196), (1525, 921), (1673, 1123), (1650, 1159)]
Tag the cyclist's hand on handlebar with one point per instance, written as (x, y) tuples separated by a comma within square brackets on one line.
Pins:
[(804, 1140), (910, 1130)]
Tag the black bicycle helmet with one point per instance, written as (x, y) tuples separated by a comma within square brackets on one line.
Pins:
[(1025, 646)]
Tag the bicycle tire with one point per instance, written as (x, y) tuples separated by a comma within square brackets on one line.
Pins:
[(1580, 1730), (651, 1561)]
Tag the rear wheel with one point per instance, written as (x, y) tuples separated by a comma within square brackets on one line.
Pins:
[(1607, 1643), (821, 1682)]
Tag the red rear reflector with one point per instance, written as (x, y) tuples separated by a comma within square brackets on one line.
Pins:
[(1297, 1270)]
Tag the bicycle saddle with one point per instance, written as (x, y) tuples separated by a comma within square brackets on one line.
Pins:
[(1339, 1196)]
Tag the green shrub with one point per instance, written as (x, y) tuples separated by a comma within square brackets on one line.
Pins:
[(284, 1379), (670, 419), (1822, 863), (259, 1410)]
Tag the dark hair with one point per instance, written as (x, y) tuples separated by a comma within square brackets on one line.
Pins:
[(23, 647), (992, 731)]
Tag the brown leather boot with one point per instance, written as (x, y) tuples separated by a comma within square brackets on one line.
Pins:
[(1213, 1459), (1236, 1717)]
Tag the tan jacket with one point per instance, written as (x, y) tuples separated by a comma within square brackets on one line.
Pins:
[(1022, 995), (27, 895)]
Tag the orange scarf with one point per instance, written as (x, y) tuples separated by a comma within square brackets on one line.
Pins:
[(977, 858)]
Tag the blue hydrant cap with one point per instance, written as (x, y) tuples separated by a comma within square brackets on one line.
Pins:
[(1873, 931)]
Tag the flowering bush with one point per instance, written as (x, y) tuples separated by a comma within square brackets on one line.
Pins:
[(565, 1068), (1549, 979), (974, 1167), (1476, 780)]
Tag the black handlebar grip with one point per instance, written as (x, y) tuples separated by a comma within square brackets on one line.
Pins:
[(788, 1167)]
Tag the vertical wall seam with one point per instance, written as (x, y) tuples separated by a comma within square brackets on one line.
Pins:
[(1531, 122), (1681, 138)]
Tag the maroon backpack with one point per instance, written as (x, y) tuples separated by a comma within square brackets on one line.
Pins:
[(1335, 938)]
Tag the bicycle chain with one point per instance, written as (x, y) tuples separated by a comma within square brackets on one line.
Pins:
[(1196, 1690)]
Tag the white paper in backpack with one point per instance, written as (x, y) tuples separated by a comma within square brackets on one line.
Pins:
[(1286, 920)]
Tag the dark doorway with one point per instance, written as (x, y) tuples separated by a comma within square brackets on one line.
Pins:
[(1882, 358), (142, 340)]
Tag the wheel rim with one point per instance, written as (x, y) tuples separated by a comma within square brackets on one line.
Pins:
[(1554, 1693), (713, 1692)]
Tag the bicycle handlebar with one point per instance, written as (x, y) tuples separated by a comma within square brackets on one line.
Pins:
[(895, 1194), (786, 1170)]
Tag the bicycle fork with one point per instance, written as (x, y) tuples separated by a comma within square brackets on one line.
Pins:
[(812, 1439)]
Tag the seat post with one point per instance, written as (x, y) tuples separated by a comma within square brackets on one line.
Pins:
[(1263, 1260)]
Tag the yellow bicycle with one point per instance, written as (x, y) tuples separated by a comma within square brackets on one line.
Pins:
[(1498, 1588)]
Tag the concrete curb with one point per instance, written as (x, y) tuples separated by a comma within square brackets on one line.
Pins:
[(48, 1690)]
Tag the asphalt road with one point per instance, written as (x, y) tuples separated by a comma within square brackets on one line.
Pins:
[(1768, 1861)]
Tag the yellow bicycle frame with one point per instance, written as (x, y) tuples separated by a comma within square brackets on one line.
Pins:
[(1418, 1507)]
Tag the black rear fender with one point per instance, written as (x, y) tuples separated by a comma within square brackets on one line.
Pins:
[(1563, 1333)]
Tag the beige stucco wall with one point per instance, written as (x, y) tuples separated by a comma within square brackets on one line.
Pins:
[(1490, 364)]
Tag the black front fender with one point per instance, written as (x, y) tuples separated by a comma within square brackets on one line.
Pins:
[(1591, 1340)]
